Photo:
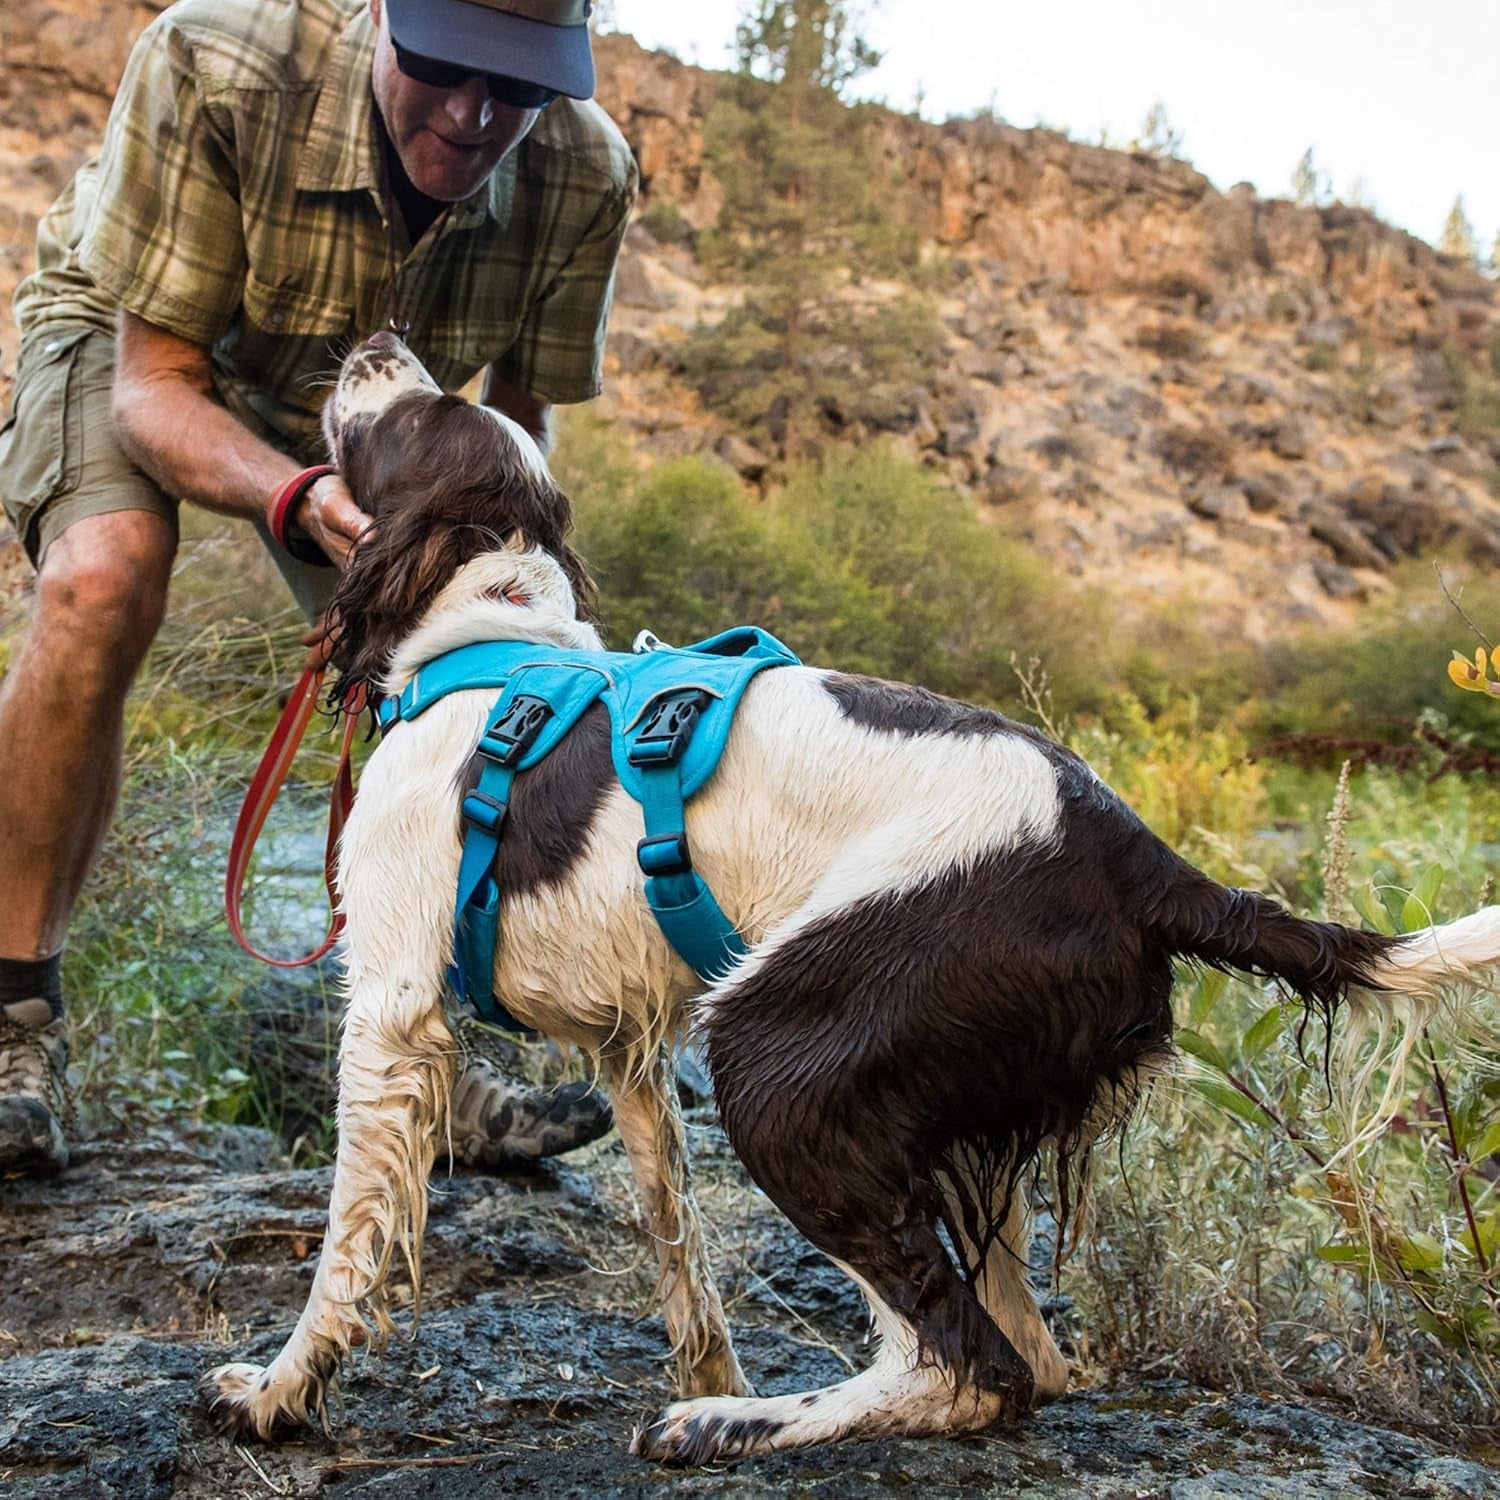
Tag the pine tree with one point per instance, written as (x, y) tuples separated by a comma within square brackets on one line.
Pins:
[(1458, 238), (807, 220), (1306, 180), (1158, 136)]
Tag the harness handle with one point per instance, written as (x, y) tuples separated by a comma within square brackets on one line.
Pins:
[(262, 793)]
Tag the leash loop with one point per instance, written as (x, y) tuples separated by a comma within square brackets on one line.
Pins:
[(272, 771)]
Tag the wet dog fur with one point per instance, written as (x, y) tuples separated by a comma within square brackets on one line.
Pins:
[(961, 949)]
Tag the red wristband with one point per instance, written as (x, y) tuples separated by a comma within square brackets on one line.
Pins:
[(279, 516)]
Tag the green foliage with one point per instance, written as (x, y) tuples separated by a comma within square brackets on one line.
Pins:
[(1458, 238), (804, 229), (1476, 391), (1310, 183), (1399, 1207), (865, 562), (1190, 781), (664, 222), (1158, 136), (811, 42), (1379, 680)]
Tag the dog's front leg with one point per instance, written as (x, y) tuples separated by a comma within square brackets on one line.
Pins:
[(650, 1125), (395, 1075)]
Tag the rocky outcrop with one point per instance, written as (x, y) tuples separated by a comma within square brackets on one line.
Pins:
[(1130, 353), (146, 1265)]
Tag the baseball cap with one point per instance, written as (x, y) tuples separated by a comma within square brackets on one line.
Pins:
[(541, 41)]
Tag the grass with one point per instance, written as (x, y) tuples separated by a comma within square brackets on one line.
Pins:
[(1244, 1235)]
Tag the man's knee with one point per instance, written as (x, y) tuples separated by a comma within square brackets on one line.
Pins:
[(103, 587)]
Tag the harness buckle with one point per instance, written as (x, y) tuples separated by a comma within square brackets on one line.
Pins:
[(664, 854), (669, 730), (483, 811), (507, 741)]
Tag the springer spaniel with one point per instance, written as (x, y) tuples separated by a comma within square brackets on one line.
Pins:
[(960, 950)]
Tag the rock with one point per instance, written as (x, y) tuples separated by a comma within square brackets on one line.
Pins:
[(1265, 493), (884, 408), (978, 364), (744, 458), (1100, 416), (638, 283), (1338, 581), (1287, 438), (1350, 545), (1240, 389), (635, 353), (1326, 333), (1226, 503), (1057, 448), (1005, 484), (924, 430)]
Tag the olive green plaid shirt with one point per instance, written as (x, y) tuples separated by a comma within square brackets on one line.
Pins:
[(240, 202)]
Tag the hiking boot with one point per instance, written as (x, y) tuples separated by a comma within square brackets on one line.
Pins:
[(33, 1096), (500, 1122)]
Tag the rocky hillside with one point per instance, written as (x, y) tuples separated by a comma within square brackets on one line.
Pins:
[(1172, 391)]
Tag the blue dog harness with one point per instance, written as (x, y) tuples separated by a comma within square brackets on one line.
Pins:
[(670, 711)]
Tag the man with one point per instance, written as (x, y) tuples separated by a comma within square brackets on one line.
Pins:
[(278, 177)]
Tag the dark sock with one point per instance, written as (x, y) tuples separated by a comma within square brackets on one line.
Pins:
[(32, 979)]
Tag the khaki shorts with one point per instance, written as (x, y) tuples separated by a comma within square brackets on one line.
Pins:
[(60, 461)]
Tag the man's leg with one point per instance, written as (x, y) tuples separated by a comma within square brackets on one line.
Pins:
[(100, 596), (103, 537)]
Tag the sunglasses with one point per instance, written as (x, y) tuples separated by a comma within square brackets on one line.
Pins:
[(441, 75)]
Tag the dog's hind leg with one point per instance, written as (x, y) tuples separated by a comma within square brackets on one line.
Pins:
[(395, 1074), (1001, 1276), (814, 1105), (650, 1125)]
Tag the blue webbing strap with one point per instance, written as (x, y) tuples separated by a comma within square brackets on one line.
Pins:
[(508, 735), (683, 905)]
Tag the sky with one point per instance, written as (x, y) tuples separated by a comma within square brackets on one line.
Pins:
[(1397, 98)]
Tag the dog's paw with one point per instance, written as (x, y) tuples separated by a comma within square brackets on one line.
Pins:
[(245, 1403), (703, 1432)]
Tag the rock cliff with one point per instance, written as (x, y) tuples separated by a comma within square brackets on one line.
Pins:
[(1168, 389)]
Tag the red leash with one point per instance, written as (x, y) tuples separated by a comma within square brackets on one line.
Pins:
[(265, 785)]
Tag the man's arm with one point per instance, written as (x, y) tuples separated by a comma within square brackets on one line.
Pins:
[(534, 414), (171, 425)]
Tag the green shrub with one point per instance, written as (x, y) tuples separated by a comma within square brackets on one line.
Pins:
[(865, 562), (1377, 681), (664, 222)]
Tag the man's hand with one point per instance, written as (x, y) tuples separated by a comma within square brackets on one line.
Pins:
[(328, 514)]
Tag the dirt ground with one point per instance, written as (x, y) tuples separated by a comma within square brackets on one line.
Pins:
[(538, 1351)]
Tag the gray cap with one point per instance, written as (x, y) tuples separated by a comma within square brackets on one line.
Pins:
[(541, 41)]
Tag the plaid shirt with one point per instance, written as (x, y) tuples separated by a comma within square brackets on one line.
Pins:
[(240, 202)]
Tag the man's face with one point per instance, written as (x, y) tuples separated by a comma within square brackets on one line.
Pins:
[(448, 140)]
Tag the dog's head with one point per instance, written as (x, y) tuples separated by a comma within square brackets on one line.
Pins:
[(445, 481)]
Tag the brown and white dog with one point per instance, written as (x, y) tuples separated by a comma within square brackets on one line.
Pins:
[(960, 951)]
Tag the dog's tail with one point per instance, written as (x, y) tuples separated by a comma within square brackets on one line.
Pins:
[(1397, 988), (1325, 962)]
